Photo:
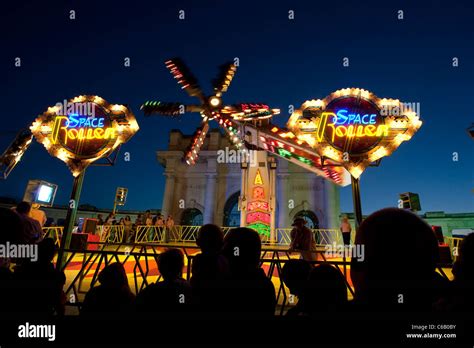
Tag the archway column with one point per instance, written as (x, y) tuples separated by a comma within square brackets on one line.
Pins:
[(282, 197), (210, 199), (168, 198)]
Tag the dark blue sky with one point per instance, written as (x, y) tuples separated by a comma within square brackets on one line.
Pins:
[(282, 62)]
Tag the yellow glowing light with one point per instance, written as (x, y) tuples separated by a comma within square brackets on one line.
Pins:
[(356, 171), (214, 101), (50, 127), (320, 131), (258, 178), (379, 153)]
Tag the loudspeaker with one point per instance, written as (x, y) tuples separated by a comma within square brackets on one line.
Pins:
[(78, 241)]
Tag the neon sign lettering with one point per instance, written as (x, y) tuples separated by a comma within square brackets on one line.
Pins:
[(342, 118), (80, 128), (352, 125)]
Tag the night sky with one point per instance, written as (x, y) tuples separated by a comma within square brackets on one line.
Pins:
[(282, 62)]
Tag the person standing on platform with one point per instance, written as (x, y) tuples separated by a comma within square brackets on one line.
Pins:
[(149, 222), (148, 218), (100, 220), (302, 240), (37, 214), (169, 227), (346, 230), (159, 227), (127, 229), (107, 228)]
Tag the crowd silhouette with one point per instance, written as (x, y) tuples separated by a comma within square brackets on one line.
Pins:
[(398, 273)]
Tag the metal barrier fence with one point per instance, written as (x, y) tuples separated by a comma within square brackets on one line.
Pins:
[(181, 233), (454, 243), (143, 257)]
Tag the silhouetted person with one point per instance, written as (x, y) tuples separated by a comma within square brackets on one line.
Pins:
[(295, 274), (250, 293), (100, 220), (113, 295), (324, 292), (346, 229), (302, 240), (400, 257), (40, 277), (210, 269), (32, 232), (172, 296), (12, 231)]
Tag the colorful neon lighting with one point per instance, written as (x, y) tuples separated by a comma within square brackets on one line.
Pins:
[(258, 178), (258, 217), (341, 118), (79, 140), (347, 126), (258, 193), (284, 153), (257, 205), (80, 128), (353, 127), (260, 228)]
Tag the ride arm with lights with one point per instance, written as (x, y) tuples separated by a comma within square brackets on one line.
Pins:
[(14, 152)]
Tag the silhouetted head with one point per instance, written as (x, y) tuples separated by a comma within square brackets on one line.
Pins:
[(46, 250), (23, 208), (295, 273), (113, 276), (298, 222), (242, 247), (12, 226), (464, 267), (400, 253), (324, 290), (210, 238), (171, 263)]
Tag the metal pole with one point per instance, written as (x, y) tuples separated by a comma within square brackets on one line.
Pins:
[(356, 202), (70, 219)]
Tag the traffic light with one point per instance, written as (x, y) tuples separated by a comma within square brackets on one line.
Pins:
[(121, 195), (410, 201)]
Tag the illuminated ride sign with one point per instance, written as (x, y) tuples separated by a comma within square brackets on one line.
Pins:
[(83, 130), (353, 127), (258, 210)]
